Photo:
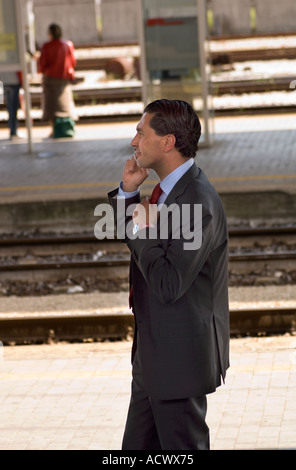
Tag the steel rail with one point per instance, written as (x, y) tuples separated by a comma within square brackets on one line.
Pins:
[(124, 261), (90, 238), (134, 93)]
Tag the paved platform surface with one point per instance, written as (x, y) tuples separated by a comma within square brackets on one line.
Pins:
[(75, 396), (248, 153)]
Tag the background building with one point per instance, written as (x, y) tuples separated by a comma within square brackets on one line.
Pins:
[(115, 21)]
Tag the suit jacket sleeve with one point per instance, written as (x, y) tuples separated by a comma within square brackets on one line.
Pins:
[(120, 209), (167, 267)]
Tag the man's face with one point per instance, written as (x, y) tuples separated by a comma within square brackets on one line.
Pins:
[(147, 144)]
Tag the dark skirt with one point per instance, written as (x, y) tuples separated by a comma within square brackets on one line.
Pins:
[(57, 99)]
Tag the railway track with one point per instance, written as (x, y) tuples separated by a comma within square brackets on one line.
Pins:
[(103, 61), (133, 93), (131, 90), (231, 56), (106, 263), (250, 250), (281, 259), (96, 57)]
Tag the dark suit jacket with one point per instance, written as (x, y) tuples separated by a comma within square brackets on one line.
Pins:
[(180, 298)]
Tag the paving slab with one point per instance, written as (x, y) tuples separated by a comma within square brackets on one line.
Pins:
[(75, 396)]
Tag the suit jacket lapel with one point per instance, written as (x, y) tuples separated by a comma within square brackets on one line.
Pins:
[(182, 184)]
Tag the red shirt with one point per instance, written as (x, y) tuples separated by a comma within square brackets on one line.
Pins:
[(57, 59)]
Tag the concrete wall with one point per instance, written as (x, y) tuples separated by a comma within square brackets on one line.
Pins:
[(119, 20), (272, 16), (76, 17), (231, 17), (276, 16)]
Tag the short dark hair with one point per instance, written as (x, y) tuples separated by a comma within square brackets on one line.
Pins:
[(55, 30), (176, 117)]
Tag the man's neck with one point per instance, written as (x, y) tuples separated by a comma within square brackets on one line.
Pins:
[(166, 169)]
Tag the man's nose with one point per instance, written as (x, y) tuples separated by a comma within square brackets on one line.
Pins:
[(134, 141)]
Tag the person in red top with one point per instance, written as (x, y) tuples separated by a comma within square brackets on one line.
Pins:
[(57, 62)]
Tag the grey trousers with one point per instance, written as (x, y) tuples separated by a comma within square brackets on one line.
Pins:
[(164, 424)]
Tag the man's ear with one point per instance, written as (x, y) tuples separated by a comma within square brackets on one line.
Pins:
[(169, 142)]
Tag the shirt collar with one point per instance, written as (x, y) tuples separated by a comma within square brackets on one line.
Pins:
[(170, 180)]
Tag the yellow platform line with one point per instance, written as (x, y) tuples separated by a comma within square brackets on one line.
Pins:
[(58, 186), (115, 183), (254, 177)]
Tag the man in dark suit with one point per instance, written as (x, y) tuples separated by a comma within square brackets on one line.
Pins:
[(179, 288)]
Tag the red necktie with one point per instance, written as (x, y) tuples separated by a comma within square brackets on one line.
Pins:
[(156, 193)]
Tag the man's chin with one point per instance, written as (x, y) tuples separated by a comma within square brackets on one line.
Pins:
[(140, 164)]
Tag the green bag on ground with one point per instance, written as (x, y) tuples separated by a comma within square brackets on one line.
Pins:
[(64, 127)]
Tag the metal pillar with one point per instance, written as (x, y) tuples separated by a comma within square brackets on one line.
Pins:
[(13, 50), (173, 62)]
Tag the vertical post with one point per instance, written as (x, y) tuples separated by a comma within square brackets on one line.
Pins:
[(1, 93), (141, 37), (201, 13), (29, 31), (23, 61)]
